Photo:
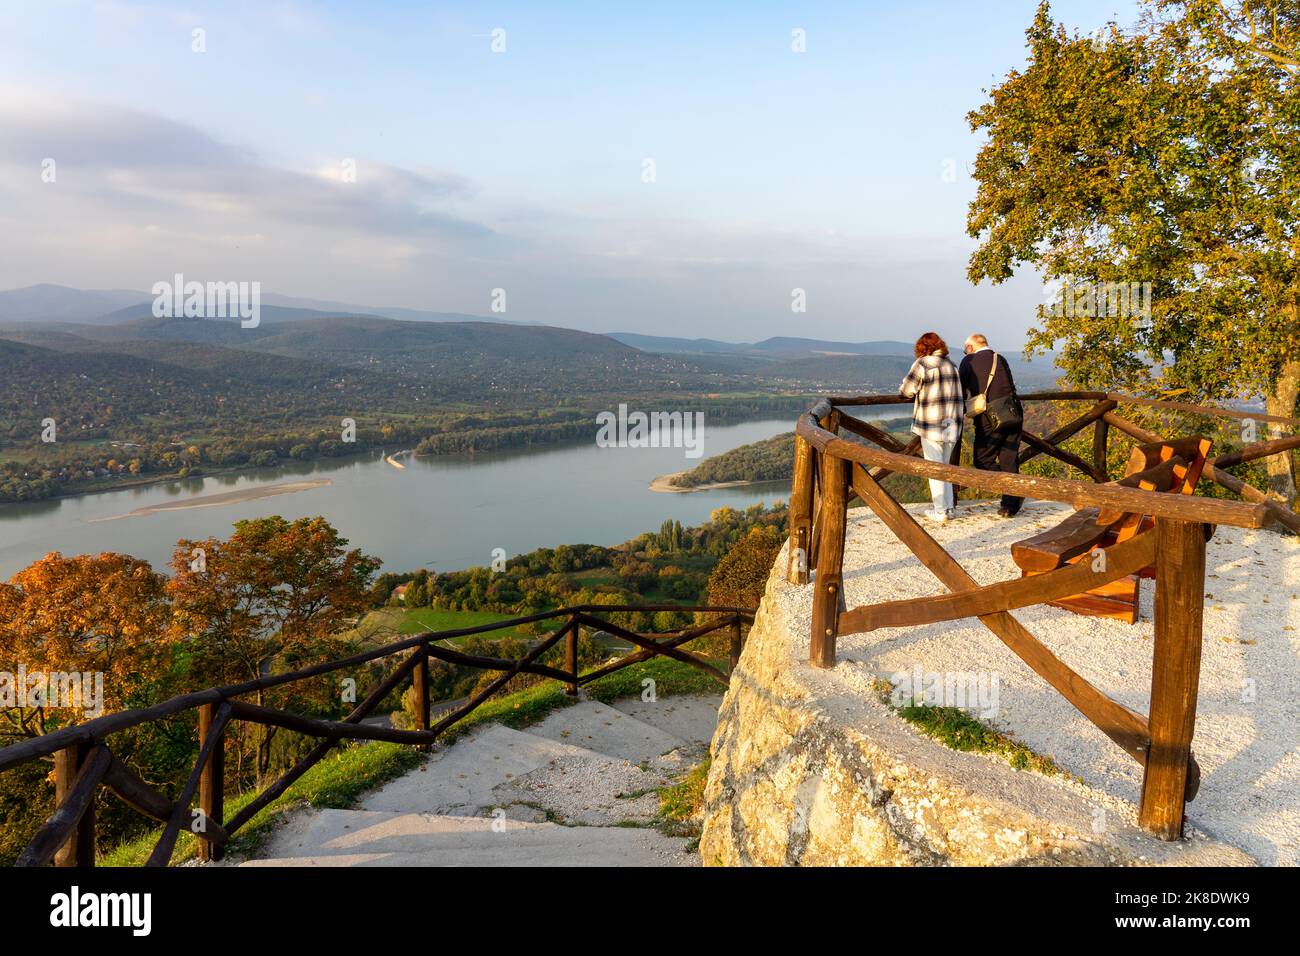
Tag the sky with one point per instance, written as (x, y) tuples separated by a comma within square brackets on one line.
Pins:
[(668, 168)]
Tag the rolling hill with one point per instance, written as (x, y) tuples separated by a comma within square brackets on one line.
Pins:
[(49, 303), (857, 373), (58, 303), (784, 347), (762, 358)]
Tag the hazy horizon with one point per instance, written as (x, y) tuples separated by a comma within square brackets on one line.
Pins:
[(388, 157)]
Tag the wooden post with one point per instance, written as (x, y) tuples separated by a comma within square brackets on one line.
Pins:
[(736, 644), (1100, 445), (801, 505), (211, 782), (80, 848), (571, 657), (828, 597), (831, 422), (420, 685), (1175, 673)]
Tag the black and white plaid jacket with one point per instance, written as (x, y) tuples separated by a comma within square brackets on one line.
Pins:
[(937, 413)]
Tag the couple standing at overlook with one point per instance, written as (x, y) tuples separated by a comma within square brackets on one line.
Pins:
[(944, 394)]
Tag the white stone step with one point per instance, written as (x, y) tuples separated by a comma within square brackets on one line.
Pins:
[(600, 728), (371, 838), (693, 718), (461, 778)]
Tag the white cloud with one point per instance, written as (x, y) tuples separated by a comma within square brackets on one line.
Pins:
[(140, 196)]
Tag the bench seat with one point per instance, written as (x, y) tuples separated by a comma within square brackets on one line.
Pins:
[(1161, 466)]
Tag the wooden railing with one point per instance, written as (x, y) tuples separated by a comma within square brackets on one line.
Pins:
[(829, 470), (83, 761)]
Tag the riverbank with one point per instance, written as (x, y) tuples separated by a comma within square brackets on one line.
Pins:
[(224, 498), (665, 483)]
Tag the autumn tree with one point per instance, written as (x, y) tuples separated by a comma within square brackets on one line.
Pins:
[(277, 595), (89, 614), (1166, 153), (740, 578)]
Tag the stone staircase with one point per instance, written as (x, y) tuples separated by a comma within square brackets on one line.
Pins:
[(577, 789)]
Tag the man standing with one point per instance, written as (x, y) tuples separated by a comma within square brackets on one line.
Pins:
[(984, 372)]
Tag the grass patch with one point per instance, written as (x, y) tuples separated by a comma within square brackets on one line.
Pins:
[(418, 619), (670, 678), (387, 625), (680, 804), (958, 730), (682, 800)]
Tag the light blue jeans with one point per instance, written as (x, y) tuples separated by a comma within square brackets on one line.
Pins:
[(940, 491)]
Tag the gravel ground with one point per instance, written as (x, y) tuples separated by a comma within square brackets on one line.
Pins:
[(596, 792), (1247, 738)]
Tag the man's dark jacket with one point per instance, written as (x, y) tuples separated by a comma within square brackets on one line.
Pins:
[(999, 451), (974, 372)]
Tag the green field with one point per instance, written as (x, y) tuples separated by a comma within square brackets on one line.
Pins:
[(388, 624), (420, 619)]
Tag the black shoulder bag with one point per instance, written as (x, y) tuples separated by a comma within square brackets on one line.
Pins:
[(1003, 414)]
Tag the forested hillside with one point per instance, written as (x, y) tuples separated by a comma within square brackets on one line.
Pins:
[(172, 397)]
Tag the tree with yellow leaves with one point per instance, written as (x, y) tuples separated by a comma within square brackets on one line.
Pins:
[(90, 614)]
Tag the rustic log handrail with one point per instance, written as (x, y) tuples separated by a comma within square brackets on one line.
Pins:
[(83, 761), (1077, 494), (830, 470)]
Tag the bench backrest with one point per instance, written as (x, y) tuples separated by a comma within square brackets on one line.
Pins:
[(1185, 457), (1194, 450), (1172, 467)]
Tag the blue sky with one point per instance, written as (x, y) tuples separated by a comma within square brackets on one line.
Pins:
[(521, 169)]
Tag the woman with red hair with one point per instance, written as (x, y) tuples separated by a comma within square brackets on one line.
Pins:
[(935, 388)]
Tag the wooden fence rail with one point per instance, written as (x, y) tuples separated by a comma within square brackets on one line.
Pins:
[(829, 471), (83, 761)]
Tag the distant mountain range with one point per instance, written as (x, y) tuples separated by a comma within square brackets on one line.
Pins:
[(780, 347), (821, 361), (57, 303), (446, 354)]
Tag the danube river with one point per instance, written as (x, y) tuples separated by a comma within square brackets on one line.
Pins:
[(443, 513)]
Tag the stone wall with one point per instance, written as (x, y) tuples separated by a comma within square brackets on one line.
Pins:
[(805, 774)]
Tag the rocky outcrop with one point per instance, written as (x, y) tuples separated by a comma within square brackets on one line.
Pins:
[(805, 773)]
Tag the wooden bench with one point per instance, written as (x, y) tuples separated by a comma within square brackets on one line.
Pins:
[(1172, 466)]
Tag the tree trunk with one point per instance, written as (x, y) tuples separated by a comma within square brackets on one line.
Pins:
[(1281, 479)]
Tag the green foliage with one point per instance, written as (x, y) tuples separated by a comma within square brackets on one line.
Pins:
[(671, 564), (680, 804), (741, 576), (1168, 154), (956, 729), (769, 460)]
